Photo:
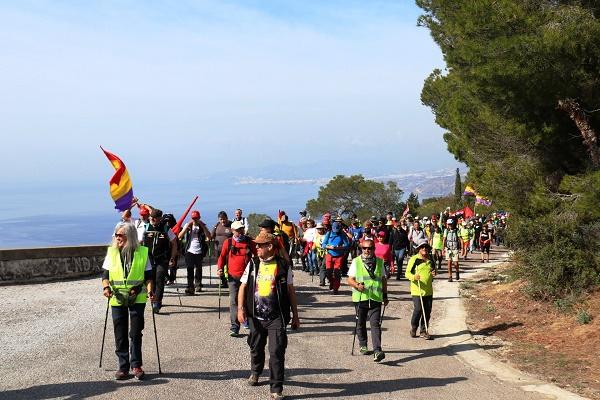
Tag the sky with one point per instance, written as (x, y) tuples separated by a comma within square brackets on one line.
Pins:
[(189, 88)]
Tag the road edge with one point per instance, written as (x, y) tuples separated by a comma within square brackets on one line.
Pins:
[(459, 341)]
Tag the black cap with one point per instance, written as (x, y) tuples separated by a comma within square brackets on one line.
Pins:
[(156, 213), (267, 223)]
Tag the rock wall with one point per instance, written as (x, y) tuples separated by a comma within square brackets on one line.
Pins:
[(48, 264)]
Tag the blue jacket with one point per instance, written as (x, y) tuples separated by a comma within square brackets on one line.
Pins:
[(337, 240)]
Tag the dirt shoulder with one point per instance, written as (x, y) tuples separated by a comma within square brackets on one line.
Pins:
[(547, 340)]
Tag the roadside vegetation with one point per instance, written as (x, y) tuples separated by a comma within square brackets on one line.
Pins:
[(520, 103)]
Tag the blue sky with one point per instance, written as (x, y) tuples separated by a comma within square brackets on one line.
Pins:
[(183, 88)]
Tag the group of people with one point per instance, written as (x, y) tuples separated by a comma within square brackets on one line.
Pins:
[(257, 272)]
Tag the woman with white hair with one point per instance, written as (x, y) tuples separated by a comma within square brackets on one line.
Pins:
[(127, 283)]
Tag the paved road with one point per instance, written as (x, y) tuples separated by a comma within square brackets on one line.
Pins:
[(50, 336)]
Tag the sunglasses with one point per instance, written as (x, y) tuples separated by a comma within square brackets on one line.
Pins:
[(259, 245), (367, 248), (120, 235)]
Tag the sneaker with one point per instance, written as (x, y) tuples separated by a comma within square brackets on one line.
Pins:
[(233, 333), (253, 380), (199, 289), (121, 375), (277, 396), (335, 291), (450, 279), (426, 336), (169, 283), (457, 276), (364, 350), (138, 373), (413, 332), (189, 291), (378, 356), (322, 284), (156, 308), (245, 325)]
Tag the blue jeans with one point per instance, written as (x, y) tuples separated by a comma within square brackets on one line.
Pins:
[(399, 260), (312, 262), (121, 316)]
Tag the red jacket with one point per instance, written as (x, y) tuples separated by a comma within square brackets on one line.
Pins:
[(236, 256)]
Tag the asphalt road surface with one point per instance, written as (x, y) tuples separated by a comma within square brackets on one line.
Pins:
[(50, 338)]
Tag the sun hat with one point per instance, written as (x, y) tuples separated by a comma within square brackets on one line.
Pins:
[(421, 243)]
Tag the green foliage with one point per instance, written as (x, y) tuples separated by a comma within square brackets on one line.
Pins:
[(344, 195), (458, 189), (509, 63), (413, 203), (253, 221), (435, 205), (583, 317)]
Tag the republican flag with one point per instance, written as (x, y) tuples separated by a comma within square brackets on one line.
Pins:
[(469, 191), (121, 189), (483, 201)]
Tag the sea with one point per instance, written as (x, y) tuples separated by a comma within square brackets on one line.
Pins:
[(83, 214)]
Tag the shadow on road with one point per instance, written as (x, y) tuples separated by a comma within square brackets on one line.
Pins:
[(345, 390), (75, 390)]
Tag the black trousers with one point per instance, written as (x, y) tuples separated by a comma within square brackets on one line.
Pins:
[(125, 346), (372, 312), (194, 262), (160, 272), (259, 332), (417, 317)]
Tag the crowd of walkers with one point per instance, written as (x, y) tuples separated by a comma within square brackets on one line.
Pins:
[(257, 272)]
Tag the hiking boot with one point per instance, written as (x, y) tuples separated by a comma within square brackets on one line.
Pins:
[(253, 380), (121, 375), (378, 356), (189, 291), (364, 350), (457, 276), (277, 396), (138, 372), (233, 333), (335, 291), (413, 332)]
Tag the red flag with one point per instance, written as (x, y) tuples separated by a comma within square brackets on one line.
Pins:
[(177, 227)]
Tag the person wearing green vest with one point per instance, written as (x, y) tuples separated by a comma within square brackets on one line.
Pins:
[(420, 272), (127, 283), (366, 276)]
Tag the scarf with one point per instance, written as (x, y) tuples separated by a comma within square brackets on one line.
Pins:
[(370, 264)]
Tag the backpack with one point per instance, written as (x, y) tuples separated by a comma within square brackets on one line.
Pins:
[(201, 238), (452, 239)]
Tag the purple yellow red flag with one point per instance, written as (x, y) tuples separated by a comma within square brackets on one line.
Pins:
[(483, 201), (469, 191), (121, 189)]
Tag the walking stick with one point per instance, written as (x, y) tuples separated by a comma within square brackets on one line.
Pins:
[(219, 300), (381, 319), (178, 295), (210, 249), (104, 333), (423, 308), (156, 341), (355, 329)]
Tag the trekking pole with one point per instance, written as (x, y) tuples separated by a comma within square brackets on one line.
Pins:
[(104, 333), (355, 329), (178, 295), (381, 319), (423, 308), (156, 341), (210, 249), (219, 300)]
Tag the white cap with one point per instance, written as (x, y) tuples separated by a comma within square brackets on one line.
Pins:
[(237, 225)]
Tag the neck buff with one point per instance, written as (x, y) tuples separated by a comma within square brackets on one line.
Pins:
[(370, 264)]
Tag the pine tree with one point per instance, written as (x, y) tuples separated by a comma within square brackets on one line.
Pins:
[(457, 189)]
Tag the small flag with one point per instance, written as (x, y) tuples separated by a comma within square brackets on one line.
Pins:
[(483, 201), (406, 210), (121, 189), (469, 191)]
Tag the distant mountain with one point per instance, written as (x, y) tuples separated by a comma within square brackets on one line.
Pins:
[(426, 183)]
